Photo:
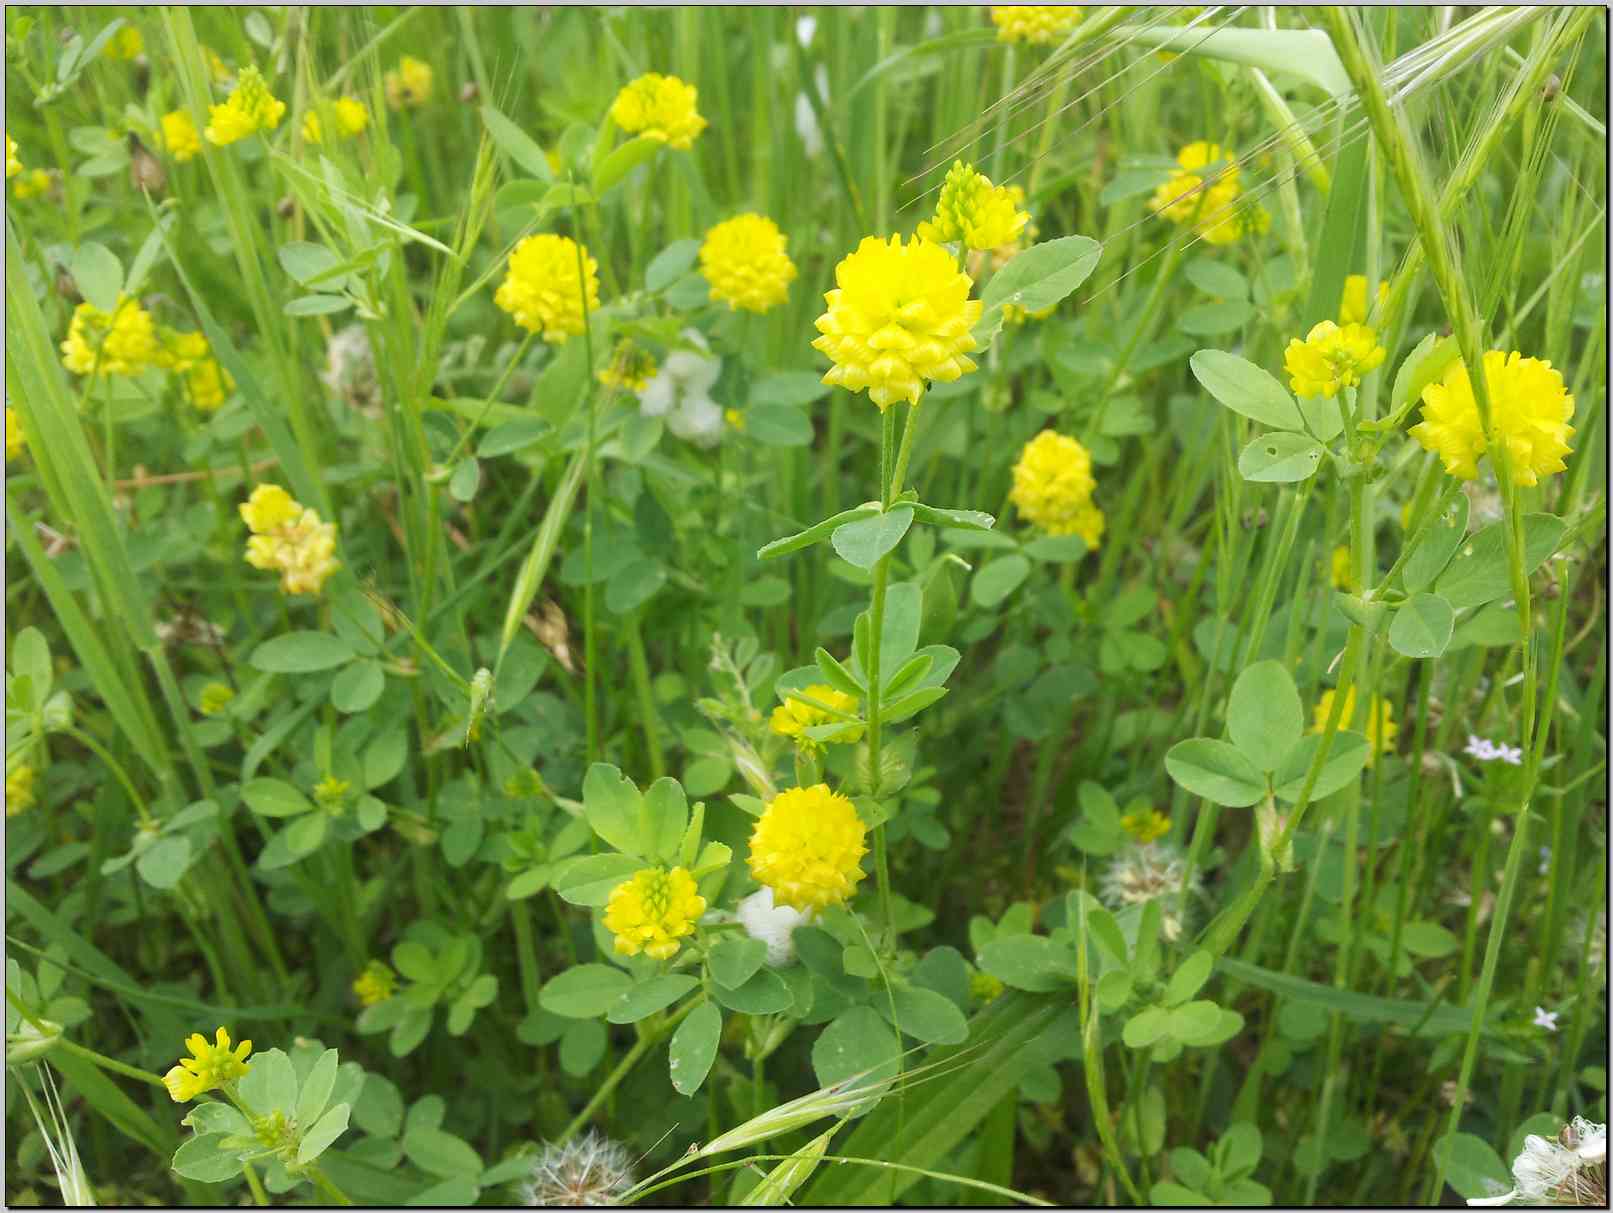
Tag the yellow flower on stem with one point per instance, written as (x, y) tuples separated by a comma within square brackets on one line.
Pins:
[(794, 716), (123, 343), (630, 367), (1038, 24), (743, 259), (376, 983), (179, 136), (543, 289), (289, 539), (661, 108), (1331, 358), (1210, 203), (1146, 825), (1353, 304), (13, 164), (805, 847), (1053, 487), (19, 786), (652, 910), (16, 442), (900, 315), (351, 119), (1338, 573), (974, 211), (1529, 414), (32, 183), (127, 43), (251, 108), (1380, 727), (210, 1066), (409, 84)]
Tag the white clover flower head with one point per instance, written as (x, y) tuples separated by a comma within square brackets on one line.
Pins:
[(1545, 1019), (1489, 751), (1143, 872), (773, 925), (587, 1170), (1572, 1170), (681, 392)]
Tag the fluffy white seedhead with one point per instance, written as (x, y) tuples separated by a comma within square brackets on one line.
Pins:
[(1572, 1170), (1145, 872), (773, 925), (588, 1170)]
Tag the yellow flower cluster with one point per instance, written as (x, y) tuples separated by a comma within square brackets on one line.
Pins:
[(289, 539), (630, 368), (409, 84), (351, 119), (900, 315), (1053, 487), (652, 910), (179, 135), (19, 789), (13, 163), (210, 1067), (794, 716), (661, 108), (743, 259), (1331, 358), (1015, 316), (1146, 825), (543, 289), (127, 43), (251, 108), (1039, 24), (1380, 728), (189, 355), (123, 343), (1353, 303), (1209, 204), (16, 441), (376, 983), (1529, 414), (31, 184), (805, 847), (974, 211)]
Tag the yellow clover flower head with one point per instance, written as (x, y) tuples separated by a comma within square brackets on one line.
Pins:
[(16, 442), (251, 108), (210, 1067), (631, 368), (805, 847), (1146, 825), (13, 164), (652, 910), (32, 183), (19, 789), (1210, 204), (1353, 303), (974, 211), (1331, 358), (1038, 24), (1053, 487), (179, 135), (743, 259), (289, 539), (794, 716), (376, 983), (409, 84), (1529, 414), (543, 289), (900, 315), (1380, 728), (351, 119), (661, 108), (122, 343)]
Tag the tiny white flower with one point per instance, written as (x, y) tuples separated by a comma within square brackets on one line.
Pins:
[(1545, 1019), (773, 925), (681, 392), (805, 27)]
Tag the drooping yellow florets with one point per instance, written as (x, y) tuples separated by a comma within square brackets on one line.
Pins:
[(1353, 303), (19, 788), (974, 211), (1040, 24), (351, 119), (901, 315), (1529, 414), (805, 847), (651, 911), (744, 260), (251, 108), (123, 343), (16, 443), (289, 539), (189, 356), (1053, 487), (1380, 728), (630, 368), (1331, 358), (31, 184), (179, 135), (409, 84), (1209, 203), (794, 716), (13, 163), (661, 108), (210, 1067), (1146, 825), (543, 290), (376, 983)]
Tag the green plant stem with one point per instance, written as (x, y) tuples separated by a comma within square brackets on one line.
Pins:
[(648, 717), (649, 1036), (323, 1183), (259, 1196), (109, 1063)]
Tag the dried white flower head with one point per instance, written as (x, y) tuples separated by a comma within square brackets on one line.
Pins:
[(588, 1170), (1144, 872), (773, 925), (1572, 1170), (681, 392)]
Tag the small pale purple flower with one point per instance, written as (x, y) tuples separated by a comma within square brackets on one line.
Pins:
[(1545, 1019)]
